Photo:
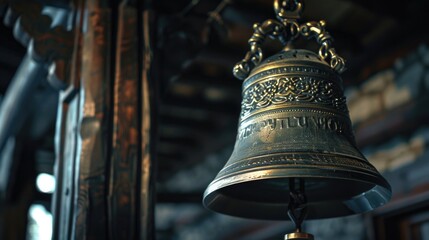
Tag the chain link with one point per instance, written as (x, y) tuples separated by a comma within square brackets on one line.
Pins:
[(286, 29), (326, 51)]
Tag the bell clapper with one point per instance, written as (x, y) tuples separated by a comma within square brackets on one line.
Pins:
[(297, 209)]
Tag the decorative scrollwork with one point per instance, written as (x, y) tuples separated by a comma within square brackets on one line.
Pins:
[(292, 89), (286, 30)]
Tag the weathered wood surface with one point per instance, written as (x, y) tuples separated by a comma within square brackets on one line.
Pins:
[(110, 194), (125, 141)]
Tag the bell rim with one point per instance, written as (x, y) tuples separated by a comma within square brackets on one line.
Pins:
[(378, 195)]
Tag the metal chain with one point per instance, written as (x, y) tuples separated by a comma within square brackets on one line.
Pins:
[(286, 29), (326, 51), (271, 28)]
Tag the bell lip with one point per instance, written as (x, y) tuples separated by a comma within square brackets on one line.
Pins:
[(369, 200)]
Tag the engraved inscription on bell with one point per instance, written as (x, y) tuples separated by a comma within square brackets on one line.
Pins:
[(317, 122), (294, 123)]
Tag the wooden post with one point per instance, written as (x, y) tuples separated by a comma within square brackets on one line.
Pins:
[(105, 129)]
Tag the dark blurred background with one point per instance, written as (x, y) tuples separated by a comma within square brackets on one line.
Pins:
[(197, 42)]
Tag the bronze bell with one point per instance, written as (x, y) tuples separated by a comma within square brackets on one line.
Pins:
[(295, 154), (294, 124)]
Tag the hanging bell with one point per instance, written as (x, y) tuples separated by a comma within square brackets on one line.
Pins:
[(294, 124)]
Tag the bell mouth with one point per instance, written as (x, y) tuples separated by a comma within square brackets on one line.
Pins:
[(264, 194)]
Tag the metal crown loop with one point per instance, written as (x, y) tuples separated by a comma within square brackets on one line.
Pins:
[(288, 9), (286, 29)]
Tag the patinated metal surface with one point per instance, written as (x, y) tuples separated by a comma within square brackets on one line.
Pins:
[(294, 124)]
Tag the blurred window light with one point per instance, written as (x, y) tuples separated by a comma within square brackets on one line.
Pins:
[(39, 223), (45, 183)]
